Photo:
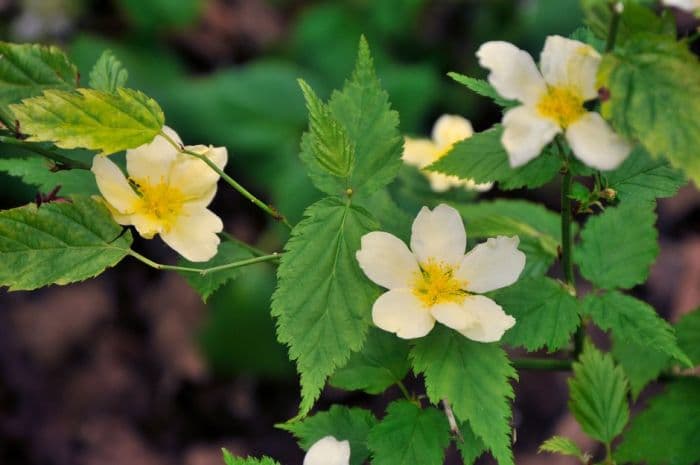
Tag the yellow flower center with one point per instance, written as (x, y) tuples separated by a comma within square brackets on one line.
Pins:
[(563, 104), (161, 202), (436, 284)]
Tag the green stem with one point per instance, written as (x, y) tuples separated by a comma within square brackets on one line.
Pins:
[(250, 248), (614, 26), (404, 391), (203, 271), (65, 161), (232, 182)]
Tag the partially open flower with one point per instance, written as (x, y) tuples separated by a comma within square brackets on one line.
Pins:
[(435, 280), (166, 193), (328, 451), (447, 131), (552, 101)]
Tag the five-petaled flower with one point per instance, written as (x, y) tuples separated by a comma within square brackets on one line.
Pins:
[(435, 280), (447, 131), (328, 451), (167, 193), (552, 101)]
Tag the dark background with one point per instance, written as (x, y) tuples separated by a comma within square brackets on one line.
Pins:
[(132, 368)]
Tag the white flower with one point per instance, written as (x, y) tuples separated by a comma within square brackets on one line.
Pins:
[(167, 193), (552, 101), (687, 5), (435, 280), (328, 451), (447, 131)]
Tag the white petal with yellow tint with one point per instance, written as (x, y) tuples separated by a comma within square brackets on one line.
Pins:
[(419, 152), (152, 161), (328, 451), (513, 71), (441, 182), (595, 143), (146, 224), (400, 312), (449, 129), (386, 260), (194, 234), (113, 185), (490, 321), (193, 176), (452, 315), (566, 62), (492, 265), (525, 134), (439, 235)]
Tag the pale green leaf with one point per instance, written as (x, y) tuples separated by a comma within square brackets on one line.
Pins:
[(91, 119), (58, 243), (27, 70), (230, 459), (410, 435), (598, 395), (382, 362), (564, 446), (108, 74), (546, 314), (482, 88), (470, 446), (667, 431), (39, 172), (654, 83), (343, 423), (475, 377), (323, 300), (482, 158), (688, 335), (207, 284), (618, 246)]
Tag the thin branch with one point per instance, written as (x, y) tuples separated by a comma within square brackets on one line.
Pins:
[(203, 271)]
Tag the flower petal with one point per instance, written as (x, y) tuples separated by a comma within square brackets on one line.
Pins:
[(491, 265), (439, 235), (194, 234), (152, 162), (595, 143), (452, 315), (566, 62), (525, 134), (419, 152), (399, 311), (687, 5), (386, 260), (449, 129), (490, 321), (113, 185), (192, 176), (328, 451), (513, 71)]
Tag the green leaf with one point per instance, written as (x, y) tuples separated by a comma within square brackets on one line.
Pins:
[(471, 447), (28, 70), (229, 459), (482, 158), (207, 284), (327, 143), (475, 377), (632, 321), (363, 108), (667, 432), (618, 246), (58, 243), (546, 314), (564, 446), (636, 17), (598, 395), (108, 74), (654, 82), (641, 178), (343, 423), (642, 362), (410, 435), (688, 335), (323, 299), (38, 172), (91, 119), (482, 88), (381, 363), (160, 15)]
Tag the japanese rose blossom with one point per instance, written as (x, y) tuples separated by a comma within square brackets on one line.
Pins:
[(166, 193), (552, 101), (435, 280), (328, 451)]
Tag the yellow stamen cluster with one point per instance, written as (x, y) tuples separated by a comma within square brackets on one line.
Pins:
[(161, 202), (437, 284), (563, 104)]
